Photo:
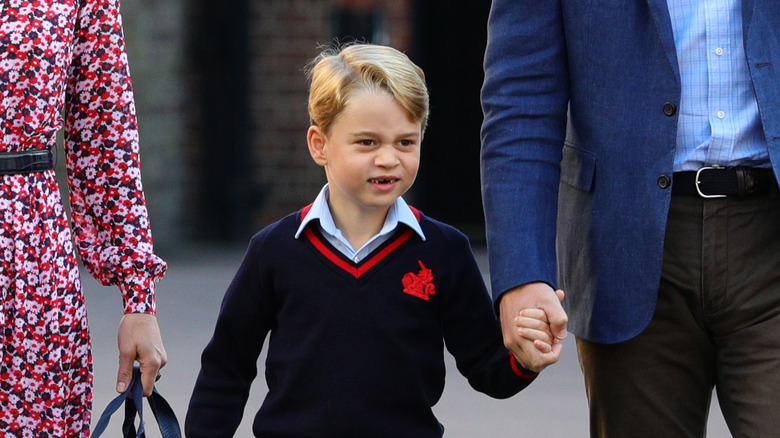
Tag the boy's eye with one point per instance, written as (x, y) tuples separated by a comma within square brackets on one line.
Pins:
[(366, 142), (406, 142)]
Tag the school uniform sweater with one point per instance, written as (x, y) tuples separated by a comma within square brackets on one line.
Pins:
[(355, 349)]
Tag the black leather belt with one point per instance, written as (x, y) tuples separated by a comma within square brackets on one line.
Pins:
[(15, 163), (719, 182)]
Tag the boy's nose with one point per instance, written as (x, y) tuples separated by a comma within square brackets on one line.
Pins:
[(386, 157)]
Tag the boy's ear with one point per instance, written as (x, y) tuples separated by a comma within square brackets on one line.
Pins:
[(317, 140)]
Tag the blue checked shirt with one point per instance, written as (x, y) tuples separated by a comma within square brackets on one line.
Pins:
[(718, 118)]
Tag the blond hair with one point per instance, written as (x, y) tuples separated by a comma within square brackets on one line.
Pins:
[(336, 73)]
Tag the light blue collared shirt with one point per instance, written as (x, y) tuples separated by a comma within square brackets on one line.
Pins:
[(718, 115), (399, 213)]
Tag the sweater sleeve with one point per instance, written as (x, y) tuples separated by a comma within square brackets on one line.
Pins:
[(473, 334), (229, 361)]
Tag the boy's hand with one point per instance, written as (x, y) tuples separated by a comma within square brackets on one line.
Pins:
[(532, 325), (539, 296)]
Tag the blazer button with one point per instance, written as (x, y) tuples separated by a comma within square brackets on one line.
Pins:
[(663, 181), (670, 109)]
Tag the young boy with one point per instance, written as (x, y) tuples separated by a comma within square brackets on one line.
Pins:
[(358, 290)]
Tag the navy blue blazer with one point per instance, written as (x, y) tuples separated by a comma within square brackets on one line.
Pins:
[(580, 100)]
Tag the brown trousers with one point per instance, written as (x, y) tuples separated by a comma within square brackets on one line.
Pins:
[(716, 324)]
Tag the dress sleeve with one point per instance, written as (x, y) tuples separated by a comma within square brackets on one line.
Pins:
[(110, 221)]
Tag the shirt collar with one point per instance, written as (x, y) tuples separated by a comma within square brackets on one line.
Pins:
[(399, 212)]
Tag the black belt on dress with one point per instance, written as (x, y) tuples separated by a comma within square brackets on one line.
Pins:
[(15, 163), (720, 182)]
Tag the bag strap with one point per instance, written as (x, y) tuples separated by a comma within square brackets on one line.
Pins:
[(162, 411)]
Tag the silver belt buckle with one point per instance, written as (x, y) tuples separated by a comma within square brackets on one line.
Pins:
[(698, 174)]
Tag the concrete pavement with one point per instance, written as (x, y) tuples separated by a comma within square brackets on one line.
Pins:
[(188, 300)]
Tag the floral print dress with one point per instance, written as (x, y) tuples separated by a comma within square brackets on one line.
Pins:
[(63, 64)]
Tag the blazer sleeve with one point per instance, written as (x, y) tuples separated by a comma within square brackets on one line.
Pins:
[(524, 99), (229, 361)]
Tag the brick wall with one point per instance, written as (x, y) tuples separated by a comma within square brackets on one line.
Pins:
[(155, 35)]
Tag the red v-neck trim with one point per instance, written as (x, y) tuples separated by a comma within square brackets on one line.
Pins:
[(305, 211), (366, 265), (356, 271), (416, 212)]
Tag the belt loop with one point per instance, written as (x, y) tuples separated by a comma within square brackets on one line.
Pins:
[(743, 181)]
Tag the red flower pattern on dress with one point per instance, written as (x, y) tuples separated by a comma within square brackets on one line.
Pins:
[(419, 285), (65, 57)]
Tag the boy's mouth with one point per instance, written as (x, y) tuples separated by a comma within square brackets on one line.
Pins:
[(382, 180)]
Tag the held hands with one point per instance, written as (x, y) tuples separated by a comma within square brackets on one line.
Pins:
[(533, 323), (139, 340)]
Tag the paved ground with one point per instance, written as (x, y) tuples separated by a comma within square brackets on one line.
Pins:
[(188, 299)]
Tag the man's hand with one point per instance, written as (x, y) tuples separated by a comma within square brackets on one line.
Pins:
[(534, 357), (139, 340)]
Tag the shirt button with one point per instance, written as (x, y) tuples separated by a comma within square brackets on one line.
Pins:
[(663, 181), (669, 109), (721, 114), (719, 51)]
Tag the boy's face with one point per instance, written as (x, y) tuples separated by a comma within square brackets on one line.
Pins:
[(371, 154)]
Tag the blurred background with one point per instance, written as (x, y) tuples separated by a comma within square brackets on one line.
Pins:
[(221, 99)]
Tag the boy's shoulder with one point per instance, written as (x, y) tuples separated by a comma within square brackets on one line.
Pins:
[(438, 227), (440, 233), (282, 230)]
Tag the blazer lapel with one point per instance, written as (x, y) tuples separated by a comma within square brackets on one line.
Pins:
[(663, 25)]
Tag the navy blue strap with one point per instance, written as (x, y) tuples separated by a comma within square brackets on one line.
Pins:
[(163, 413), (166, 419)]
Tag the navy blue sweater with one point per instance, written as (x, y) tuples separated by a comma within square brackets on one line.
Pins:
[(356, 350)]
